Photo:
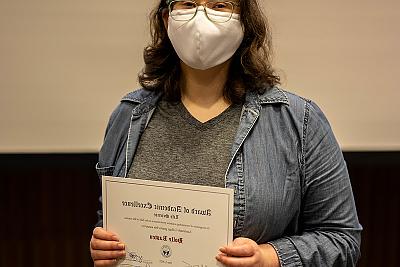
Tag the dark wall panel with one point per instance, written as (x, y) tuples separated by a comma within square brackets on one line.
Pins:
[(375, 179), (48, 206)]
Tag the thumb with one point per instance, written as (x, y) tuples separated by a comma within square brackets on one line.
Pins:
[(240, 241)]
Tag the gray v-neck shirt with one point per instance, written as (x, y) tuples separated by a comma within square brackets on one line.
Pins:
[(176, 147)]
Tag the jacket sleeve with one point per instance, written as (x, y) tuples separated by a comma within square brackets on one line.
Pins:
[(330, 233), (113, 148)]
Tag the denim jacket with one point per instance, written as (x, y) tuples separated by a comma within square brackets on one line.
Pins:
[(291, 184)]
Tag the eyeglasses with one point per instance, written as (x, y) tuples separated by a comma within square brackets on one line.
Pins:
[(216, 11)]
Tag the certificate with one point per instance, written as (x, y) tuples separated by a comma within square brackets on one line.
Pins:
[(168, 224)]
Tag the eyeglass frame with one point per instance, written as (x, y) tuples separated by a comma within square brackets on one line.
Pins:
[(169, 2)]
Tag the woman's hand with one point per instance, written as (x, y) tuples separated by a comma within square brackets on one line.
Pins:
[(105, 248), (245, 252)]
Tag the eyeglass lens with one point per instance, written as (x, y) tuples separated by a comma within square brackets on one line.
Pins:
[(219, 6)]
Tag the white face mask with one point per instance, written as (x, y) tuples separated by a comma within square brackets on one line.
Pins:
[(201, 43)]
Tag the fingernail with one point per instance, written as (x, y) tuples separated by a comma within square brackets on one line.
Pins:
[(121, 246)]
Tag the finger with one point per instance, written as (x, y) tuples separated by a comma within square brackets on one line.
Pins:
[(245, 250), (106, 245), (236, 261), (101, 233), (105, 263), (107, 254)]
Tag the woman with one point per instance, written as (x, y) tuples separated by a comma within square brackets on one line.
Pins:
[(210, 109)]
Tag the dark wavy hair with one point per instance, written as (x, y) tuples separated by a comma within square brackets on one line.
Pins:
[(250, 67)]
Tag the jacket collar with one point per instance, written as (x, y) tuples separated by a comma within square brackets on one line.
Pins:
[(141, 96), (145, 100), (272, 95)]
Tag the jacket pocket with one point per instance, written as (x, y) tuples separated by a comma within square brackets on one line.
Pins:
[(104, 171)]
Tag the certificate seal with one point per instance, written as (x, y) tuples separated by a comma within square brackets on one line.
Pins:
[(166, 251)]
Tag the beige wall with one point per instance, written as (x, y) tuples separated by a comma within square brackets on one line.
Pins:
[(64, 65)]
